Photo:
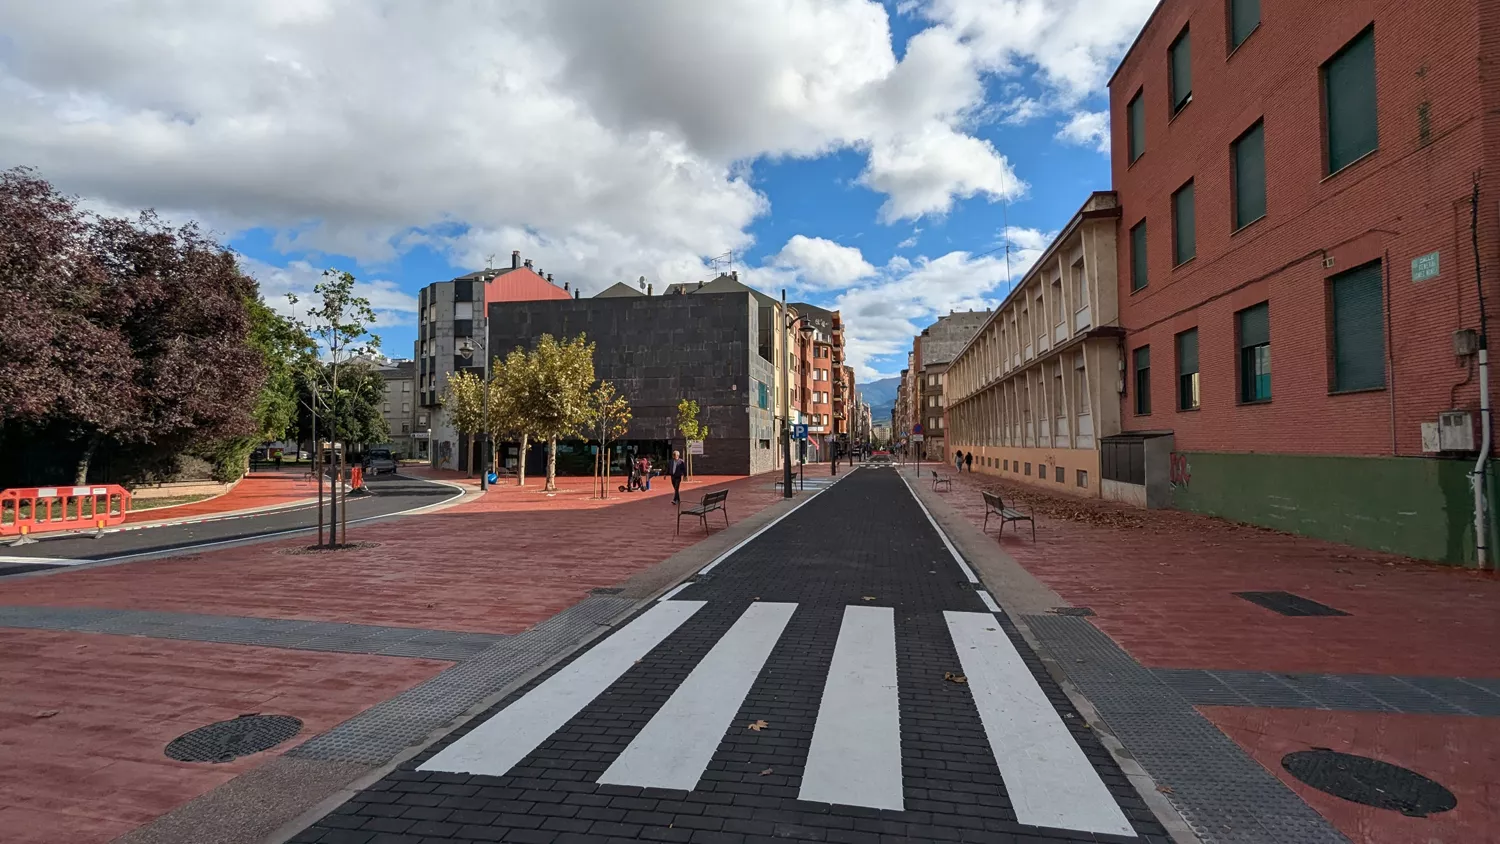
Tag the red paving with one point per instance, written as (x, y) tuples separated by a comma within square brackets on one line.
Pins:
[(1161, 583), (266, 489), (1461, 753), (95, 769), (499, 564)]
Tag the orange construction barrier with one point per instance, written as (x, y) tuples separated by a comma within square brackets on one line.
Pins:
[(357, 478), (44, 509)]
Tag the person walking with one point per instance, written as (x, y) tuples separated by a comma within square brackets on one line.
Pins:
[(969, 462), (958, 462), (677, 470), (645, 473)]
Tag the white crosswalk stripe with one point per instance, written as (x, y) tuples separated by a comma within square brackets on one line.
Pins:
[(855, 757)]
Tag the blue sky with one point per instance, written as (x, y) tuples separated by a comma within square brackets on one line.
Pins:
[(858, 153)]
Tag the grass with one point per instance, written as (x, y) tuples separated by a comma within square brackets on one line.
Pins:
[(171, 501), (8, 513)]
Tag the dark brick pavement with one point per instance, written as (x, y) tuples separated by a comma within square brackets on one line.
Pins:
[(862, 542)]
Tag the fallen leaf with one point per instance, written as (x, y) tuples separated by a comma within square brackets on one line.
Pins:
[(46, 713), (868, 598), (758, 726), (767, 772), (1164, 789), (955, 678)]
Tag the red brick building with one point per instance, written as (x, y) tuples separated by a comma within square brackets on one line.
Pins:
[(1296, 257)]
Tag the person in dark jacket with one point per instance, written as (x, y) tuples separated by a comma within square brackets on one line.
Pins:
[(677, 469), (969, 461)]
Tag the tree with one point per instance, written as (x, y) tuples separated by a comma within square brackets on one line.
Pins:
[(285, 350), (463, 398), (555, 398), (609, 418), (687, 425), (512, 384), (340, 321), (133, 336)]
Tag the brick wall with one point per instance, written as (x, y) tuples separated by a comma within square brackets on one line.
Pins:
[(1409, 198)]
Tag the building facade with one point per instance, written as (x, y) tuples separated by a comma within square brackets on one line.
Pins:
[(450, 322), (1033, 393), (1300, 261), (932, 352), (400, 409), (710, 344), (823, 389)]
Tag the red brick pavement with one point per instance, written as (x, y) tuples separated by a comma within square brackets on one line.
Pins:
[(84, 719), (267, 489), (1461, 753), (1162, 584), (500, 564)]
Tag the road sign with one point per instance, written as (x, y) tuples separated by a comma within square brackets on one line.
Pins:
[(1424, 267), (695, 448), (916, 438), (917, 428), (799, 432)]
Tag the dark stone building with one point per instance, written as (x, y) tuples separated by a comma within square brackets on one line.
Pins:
[(700, 344)]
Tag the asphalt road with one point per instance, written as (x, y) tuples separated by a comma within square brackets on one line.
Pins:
[(389, 495)]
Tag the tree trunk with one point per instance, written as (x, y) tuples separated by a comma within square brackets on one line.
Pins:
[(521, 463), (81, 472), (551, 465), (472, 438)]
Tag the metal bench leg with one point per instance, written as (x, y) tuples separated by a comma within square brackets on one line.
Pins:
[(725, 510), (1033, 530), (1001, 534), (986, 527), (679, 521), (704, 518)]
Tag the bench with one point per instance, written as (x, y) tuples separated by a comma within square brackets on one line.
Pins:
[(938, 482), (995, 505), (796, 479), (711, 501)]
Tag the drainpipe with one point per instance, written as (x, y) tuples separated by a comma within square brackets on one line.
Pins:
[(1481, 539)]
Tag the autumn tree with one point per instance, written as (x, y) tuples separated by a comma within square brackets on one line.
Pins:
[(512, 386), (554, 393), (689, 427), (609, 419), (127, 334), (463, 398)]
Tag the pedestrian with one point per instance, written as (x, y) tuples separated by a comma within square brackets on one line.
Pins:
[(677, 469), (645, 469), (958, 462), (278, 460), (969, 462)]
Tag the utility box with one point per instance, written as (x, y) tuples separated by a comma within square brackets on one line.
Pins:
[(1456, 431), (1465, 342), (1430, 443)]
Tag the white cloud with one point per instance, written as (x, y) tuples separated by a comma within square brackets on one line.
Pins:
[(392, 306), (907, 243), (1087, 128), (823, 263)]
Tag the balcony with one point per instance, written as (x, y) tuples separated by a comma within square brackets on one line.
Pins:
[(1060, 332), (1082, 319)]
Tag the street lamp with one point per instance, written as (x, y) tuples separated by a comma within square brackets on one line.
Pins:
[(786, 385), (467, 349)]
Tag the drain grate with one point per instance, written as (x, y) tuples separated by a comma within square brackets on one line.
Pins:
[(1288, 604), (1370, 782), (1083, 612), (607, 590), (228, 740)]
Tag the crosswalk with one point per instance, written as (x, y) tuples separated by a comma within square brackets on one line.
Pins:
[(855, 756)]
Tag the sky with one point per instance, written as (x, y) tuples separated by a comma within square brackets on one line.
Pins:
[(869, 157)]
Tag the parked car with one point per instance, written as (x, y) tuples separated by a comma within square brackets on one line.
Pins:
[(379, 461)]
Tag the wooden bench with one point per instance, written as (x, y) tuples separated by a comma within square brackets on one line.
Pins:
[(995, 505), (938, 482), (711, 501)]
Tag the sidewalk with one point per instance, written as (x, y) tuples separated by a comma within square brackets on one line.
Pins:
[(256, 491), (1409, 676), (210, 636)]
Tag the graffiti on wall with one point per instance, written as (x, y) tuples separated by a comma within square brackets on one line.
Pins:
[(1181, 473)]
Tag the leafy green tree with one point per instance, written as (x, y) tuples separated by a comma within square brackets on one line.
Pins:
[(689, 427), (285, 350), (554, 393), (463, 398), (609, 419), (512, 385)]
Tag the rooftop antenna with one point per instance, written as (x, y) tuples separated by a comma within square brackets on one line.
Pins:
[(642, 282), (1005, 217), (489, 262), (722, 263)]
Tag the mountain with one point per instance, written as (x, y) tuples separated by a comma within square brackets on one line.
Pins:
[(881, 397)]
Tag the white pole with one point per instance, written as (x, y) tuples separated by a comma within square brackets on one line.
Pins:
[(1481, 535)]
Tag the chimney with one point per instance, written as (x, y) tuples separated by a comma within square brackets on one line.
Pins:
[(549, 278), (648, 289), (528, 263), (575, 294), (700, 285), (565, 285), (515, 259)]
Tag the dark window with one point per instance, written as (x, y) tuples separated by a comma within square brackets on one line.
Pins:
[(1028, 468), (1184, 228), (1138, 256), (1135, 119), (1180, 60), (1123, 460), (1060, 473), (463, 328), (422, 302), (458, 362), (1007, 465), (1083, 478), (1255, 352), (1244, 17), (1249, 161), (1142, 357), (1187, 370), (763, 395), (463, 290), (1349, 102), (1358, 329)]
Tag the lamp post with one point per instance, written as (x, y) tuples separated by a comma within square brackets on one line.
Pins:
[(786, 388)]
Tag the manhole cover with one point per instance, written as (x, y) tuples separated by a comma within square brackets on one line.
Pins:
[(1288, 604), (1371, 782), (228, 740)]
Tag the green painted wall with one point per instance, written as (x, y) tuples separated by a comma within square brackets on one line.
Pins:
[(1415, 506)]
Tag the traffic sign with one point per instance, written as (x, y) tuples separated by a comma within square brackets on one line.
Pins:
[(695, 448), (917, 428), (799, 432), (916, 438)]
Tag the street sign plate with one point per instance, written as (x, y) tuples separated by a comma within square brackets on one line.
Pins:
[(1424, 267), (695, 448), (799, 432), (916, 438)]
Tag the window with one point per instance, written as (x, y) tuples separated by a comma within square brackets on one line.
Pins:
[(1349, 102), (385, 408), (1007, 465), (1187, 370), (1059, 473), (1254, 325), (1138, 256), (1184, 230), (1083, 478), (1249, 163), (1028, 468), (405, 386), (406, 407), (1180, 60), (406, 427), (1135, 125), (1142, 358), (1244, 17), (1358, 329), (762, 395), (421, 419)]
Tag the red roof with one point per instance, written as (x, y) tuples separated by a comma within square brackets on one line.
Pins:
[(522, 285)]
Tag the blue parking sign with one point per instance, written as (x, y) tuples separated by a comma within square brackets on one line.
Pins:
[(799, 432)]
